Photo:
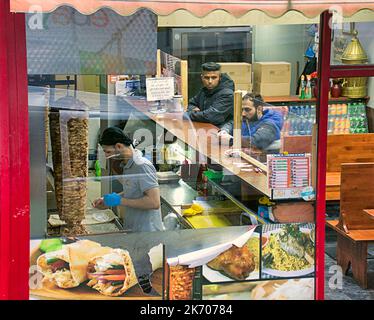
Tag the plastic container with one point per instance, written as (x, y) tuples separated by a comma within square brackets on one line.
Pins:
[(213, 174), (177, 104)]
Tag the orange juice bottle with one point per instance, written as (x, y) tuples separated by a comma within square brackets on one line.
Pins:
[(347, 125), (333, 109), (344, 109), (338, 109)]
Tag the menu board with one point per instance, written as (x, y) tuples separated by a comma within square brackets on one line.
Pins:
[(289, 175)]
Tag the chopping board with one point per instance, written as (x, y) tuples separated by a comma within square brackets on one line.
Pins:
[(50, 291), (92, 216)]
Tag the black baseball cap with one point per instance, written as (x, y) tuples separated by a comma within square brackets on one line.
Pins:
[(113, 135), (210, 66)]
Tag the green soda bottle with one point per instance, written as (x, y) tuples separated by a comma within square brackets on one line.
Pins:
[(97, 170)]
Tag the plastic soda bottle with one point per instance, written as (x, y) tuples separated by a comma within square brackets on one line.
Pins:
[(333, 109), (344, 109), (295, 126), (331, 125), (338, 109), (97, 170)]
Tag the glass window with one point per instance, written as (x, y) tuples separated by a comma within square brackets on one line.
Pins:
[(165, 141)]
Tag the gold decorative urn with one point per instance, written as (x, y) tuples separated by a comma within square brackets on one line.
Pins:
[(354, 53)]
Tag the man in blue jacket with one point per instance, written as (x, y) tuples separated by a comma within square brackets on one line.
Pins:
[(214, 103), (260, 128)]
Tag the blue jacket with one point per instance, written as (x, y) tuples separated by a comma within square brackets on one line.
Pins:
[(270, 117), (261, 133)]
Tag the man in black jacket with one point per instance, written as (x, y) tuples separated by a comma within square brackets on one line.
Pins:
[(214, 103)]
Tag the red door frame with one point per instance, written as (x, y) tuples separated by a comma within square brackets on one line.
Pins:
[(14, 155), (322, 114), (14, 151)]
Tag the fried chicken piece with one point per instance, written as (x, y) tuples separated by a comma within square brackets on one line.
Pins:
[(235, 262)]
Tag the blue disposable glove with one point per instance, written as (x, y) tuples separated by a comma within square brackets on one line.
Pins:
[(112, 199)]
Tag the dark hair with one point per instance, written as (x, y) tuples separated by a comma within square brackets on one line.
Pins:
[(257, 99), (113, 135), (210, 66)]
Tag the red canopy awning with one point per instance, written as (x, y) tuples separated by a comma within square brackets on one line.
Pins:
[(200, 8)]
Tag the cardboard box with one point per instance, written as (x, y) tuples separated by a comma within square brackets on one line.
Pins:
[(239, 72), (272, 89), (243, 86), (272, 72)]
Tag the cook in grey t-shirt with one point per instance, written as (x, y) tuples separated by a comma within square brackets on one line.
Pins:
[(139, 175)]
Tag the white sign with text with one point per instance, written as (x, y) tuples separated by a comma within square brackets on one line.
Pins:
[(160, 88)]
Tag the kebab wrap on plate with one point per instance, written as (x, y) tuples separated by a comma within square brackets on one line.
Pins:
[(67, 268), (112, 274)]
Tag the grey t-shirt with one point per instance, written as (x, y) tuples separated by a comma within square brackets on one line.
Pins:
[(139, 175)]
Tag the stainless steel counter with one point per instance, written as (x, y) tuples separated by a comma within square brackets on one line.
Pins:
[(177, 194)]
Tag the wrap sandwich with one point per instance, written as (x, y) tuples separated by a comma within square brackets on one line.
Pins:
[(112, 274), (67, 268)]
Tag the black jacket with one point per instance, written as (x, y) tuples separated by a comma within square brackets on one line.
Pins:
[(217, 105)]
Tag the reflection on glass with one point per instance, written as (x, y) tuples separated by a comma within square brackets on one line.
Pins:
[(348, 34)]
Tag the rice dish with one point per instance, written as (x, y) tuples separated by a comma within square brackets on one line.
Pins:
[(281, 260), (253, 245)]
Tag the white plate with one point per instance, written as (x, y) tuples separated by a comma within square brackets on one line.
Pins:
[(216, 276), (101, 216), (285, 274)]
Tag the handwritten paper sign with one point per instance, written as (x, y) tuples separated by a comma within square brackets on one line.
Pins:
[(160, 88)]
